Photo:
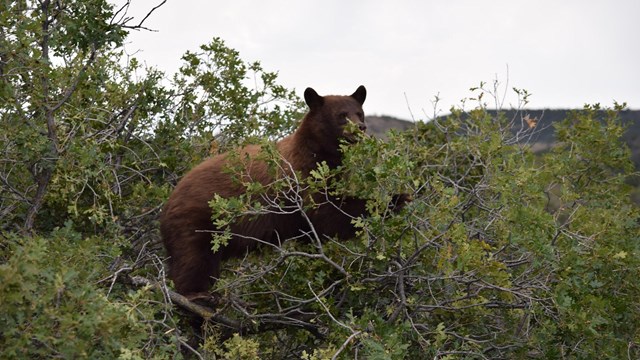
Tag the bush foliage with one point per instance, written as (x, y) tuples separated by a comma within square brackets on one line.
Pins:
[(502, 253)]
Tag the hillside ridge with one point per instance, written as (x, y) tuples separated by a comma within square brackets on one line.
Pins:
[(379, 125)]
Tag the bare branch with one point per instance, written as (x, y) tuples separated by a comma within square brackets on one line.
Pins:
[(122, 22), (202, 311)]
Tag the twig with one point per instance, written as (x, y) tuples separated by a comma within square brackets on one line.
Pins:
[(345, 343)]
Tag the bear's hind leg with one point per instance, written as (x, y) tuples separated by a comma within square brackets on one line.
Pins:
[(193, 266)]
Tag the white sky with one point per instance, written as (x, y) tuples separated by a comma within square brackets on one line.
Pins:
[(566, 53)]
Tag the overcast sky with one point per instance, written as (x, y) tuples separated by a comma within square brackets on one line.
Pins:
[(566, 53)]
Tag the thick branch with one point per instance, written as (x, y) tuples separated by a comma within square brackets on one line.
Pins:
[(202, 311), (43, 174)]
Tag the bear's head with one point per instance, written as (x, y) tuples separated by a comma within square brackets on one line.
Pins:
[(334, 118)]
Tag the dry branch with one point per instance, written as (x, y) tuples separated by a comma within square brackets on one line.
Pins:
[(204, 312)]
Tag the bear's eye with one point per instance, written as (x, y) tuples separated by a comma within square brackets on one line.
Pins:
[(343, 118)]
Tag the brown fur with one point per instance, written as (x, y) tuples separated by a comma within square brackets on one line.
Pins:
[(193, 266)]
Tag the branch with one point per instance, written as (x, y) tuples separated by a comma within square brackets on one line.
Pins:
[(345, 343), (72, 88), (43, 177), (202, 311), (124, 19)]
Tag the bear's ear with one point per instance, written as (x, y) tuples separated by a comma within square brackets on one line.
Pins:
[(360, 94), (312, 98)]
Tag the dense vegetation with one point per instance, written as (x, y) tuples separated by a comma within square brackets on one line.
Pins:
[(501, 253)]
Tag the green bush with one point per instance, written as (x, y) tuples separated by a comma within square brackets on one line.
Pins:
[(502, 253), (51, 306), (92, 143), (480, 264)]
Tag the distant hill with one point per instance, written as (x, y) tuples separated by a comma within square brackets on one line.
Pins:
[(379, 125)]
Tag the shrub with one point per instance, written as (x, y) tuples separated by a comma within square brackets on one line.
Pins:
[(480, 264), (502, 253)]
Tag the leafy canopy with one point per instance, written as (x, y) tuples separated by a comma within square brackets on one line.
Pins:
[(502, 253)]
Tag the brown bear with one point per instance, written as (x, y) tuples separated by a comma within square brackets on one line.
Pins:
[(186, 222)]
